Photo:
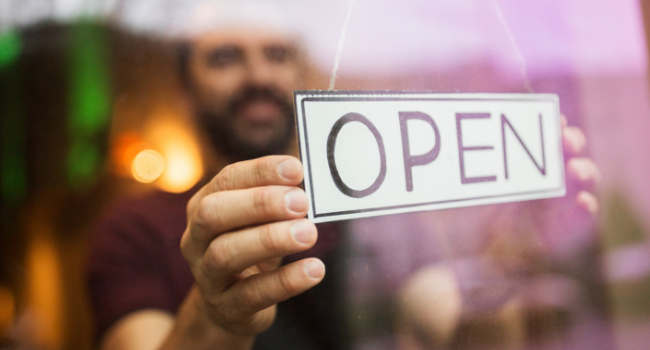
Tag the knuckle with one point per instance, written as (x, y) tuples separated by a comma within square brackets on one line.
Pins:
[(261, 170), (201, 213), (191, 206), (205, 213), (215, 302), (253, 296), (263, 202), (219, 255), (209, 294), (225, 180), (269, 239), (223, 311), (185, 246), (286, 283)]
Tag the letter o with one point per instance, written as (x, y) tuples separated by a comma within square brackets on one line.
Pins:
[(331, 144)]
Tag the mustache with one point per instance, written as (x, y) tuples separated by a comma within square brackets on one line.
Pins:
[(225, 137), (257, 93)]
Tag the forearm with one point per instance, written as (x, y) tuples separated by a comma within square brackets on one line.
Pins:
[(194, 329)]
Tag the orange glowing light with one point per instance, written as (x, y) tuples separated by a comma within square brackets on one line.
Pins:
[(45, 289), (179, 146), (148, 165), (123, 151), (7, 309)]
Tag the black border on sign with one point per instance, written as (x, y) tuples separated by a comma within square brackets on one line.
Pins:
[(303, 93)]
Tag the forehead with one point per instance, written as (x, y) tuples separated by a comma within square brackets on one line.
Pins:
[(249, 38)]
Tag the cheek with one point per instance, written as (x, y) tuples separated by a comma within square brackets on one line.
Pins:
[(216, 87), (289, 79), (225, 82)]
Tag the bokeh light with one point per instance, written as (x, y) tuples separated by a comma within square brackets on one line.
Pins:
[(179, 147), (148, 165), (124, 148)]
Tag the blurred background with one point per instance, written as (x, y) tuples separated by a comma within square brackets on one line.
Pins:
[(92, 110)]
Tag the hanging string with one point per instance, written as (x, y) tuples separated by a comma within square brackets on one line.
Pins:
[(513, 44), (339, 49)]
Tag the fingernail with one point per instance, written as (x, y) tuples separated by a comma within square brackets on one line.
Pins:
[(303, 232), (296, 201), (289, 169), (314, 268)]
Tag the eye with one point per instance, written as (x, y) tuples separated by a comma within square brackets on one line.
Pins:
[(279, 54), (224, 56)]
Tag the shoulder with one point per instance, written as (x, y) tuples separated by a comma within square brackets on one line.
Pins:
[(152, 206), (134, 262), (138, 225)]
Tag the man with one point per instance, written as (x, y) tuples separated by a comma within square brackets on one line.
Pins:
[(240, 81), (239, 225)]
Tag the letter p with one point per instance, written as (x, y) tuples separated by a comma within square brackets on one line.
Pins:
[(410, 160)]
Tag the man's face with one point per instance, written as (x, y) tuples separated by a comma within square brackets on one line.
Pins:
[(241, 82)]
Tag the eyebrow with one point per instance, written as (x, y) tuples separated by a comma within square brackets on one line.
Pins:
[(223, 52), (223, 48), (289, 46), (289, 49)]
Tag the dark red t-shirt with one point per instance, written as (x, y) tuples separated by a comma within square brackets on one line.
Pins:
[(135, 263)]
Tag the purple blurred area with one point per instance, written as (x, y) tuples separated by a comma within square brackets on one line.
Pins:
[(584, 289)]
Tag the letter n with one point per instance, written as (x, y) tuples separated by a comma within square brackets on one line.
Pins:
[(504, 122)]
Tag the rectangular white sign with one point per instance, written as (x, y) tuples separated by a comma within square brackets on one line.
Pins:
[(368, 153)]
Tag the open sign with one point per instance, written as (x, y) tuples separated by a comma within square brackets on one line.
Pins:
[(376, 153)]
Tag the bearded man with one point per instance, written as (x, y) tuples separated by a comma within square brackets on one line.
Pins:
[(220, 290)]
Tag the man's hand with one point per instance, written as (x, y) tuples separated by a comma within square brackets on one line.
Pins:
[(240, 225), (555, 228), (565, 225), (583, 174), (570, 224)]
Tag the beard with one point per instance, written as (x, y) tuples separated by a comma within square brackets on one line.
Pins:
[(238, 141)]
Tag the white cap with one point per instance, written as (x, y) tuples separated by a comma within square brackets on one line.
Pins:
[(189, 18)]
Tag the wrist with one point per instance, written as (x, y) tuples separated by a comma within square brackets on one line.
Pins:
[(195, 328)]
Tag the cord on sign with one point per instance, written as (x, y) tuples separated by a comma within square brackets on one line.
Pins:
[(513, 44), (339, 49)]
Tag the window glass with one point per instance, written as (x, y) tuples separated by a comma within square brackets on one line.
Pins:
[(106, 101)]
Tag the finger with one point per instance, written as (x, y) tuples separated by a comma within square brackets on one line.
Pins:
[(564, 121), (587, 202), (233, 252), (270, 265), (583, 172), (224, 211), (265, 171), (263, 290), (573, 140)]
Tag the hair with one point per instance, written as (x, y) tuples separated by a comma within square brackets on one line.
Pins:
[(183, 53)]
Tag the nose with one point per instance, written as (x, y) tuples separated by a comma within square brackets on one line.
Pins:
[(260, 71)]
